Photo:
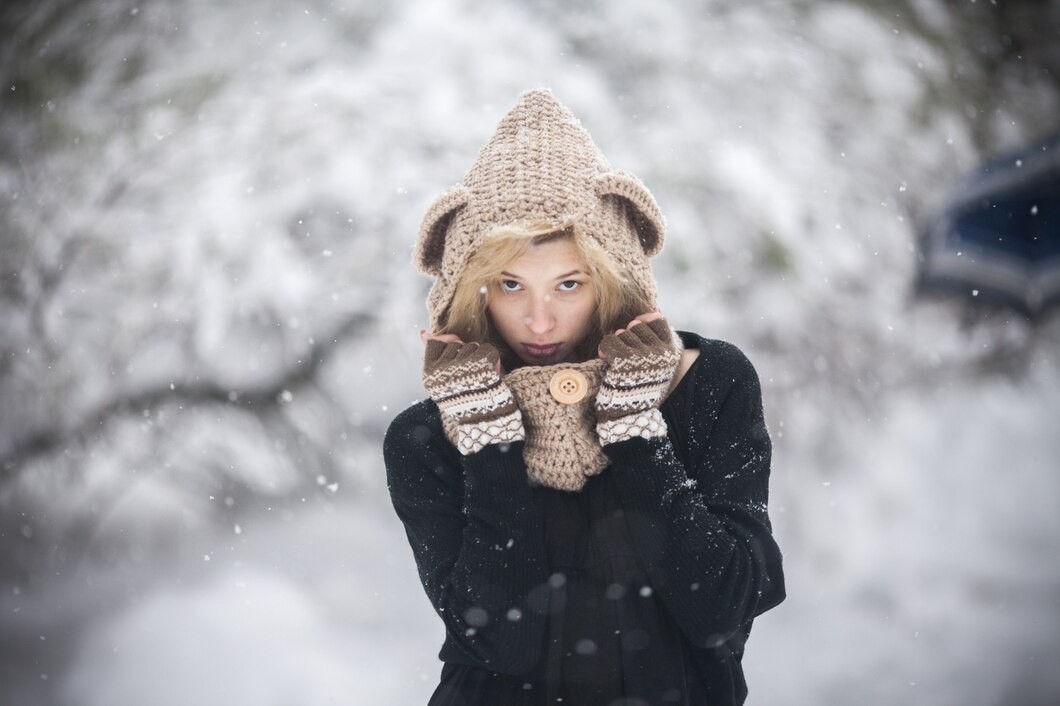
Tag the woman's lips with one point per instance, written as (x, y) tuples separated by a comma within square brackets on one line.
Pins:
[(546, 351)]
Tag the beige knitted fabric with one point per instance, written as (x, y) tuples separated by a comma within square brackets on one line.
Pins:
[(562, 448), (539, 165)]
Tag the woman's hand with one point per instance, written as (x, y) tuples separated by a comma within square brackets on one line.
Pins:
[(450, 338), (642, 319), (443, 337), (464, 381), (642, 360)]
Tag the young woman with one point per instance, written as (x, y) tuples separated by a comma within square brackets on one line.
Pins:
[(585, 489)]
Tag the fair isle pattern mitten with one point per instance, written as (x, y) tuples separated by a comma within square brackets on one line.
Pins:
[(463, 380), (641, 361)]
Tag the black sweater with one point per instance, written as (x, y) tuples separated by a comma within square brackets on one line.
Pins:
[(671, 545)]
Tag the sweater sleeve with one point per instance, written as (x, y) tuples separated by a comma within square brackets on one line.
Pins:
[(476, 537), (699, 522)]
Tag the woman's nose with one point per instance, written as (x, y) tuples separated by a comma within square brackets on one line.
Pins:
[(540, 318)]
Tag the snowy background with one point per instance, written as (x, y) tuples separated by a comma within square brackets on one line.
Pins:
[(208, 316)]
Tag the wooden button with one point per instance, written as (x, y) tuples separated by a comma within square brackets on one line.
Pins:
[(568, 386)]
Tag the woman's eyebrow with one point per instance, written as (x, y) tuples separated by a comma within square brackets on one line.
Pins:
[(565, 275)]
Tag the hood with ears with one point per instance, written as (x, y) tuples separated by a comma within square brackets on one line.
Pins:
[(540, 165)]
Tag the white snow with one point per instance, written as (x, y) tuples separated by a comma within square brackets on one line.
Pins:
[(224, 191)]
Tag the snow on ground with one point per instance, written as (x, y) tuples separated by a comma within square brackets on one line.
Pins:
[(924, 573), (320, 608), (249, 174)]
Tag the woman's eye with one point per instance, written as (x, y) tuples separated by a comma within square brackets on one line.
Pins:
[(509, 285), (569, 285)]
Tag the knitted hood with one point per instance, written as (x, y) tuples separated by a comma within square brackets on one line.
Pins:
[(540, 165)]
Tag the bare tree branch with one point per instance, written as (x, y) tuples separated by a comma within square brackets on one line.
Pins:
[(48, 441)]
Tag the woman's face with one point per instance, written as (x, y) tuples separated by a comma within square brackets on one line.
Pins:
[(544, 304)]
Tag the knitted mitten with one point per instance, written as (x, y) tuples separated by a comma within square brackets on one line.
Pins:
[(462, 378), (642, 361)]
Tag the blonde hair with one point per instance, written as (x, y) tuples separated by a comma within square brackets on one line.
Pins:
[(618, 298)]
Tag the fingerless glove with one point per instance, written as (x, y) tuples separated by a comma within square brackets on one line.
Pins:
[(642, 361), (463, 380)]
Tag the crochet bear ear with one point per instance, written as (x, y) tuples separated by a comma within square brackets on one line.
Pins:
[(431, 244), (644, 212)]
